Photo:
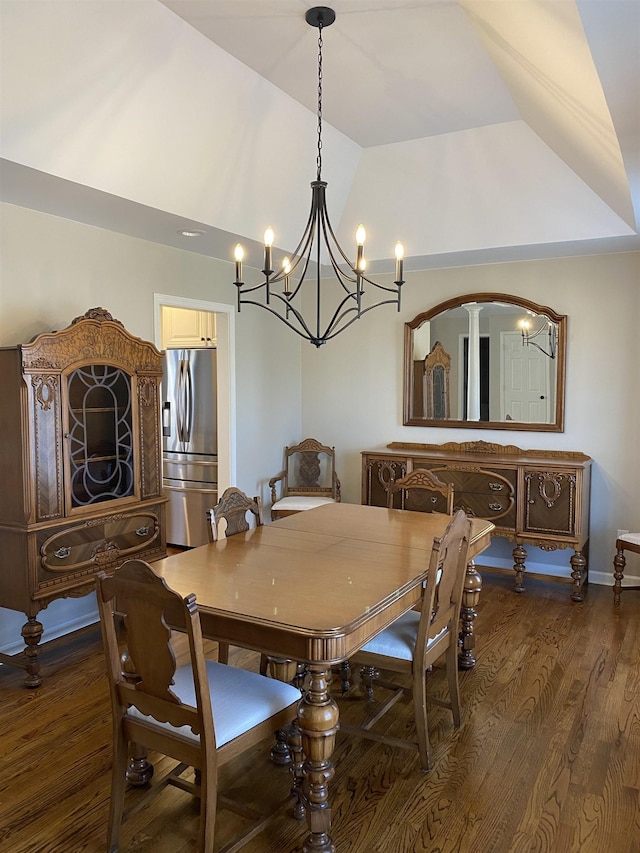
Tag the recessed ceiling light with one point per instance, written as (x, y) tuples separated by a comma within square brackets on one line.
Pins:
[(187, 233)]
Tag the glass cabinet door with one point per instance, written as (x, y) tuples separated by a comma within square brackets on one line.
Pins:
[(100, 435)]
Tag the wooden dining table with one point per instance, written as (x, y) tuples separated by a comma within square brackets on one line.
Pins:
[(314, 587)]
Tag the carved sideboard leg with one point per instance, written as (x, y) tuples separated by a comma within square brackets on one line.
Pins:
[(519, 560), (468, 613), (32, 634), (578, 565), (318, 719), (139, 771), (619, 563)]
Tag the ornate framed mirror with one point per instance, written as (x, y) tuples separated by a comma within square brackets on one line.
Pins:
[(486, 361)]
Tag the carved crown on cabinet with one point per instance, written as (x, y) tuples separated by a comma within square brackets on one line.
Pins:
[(95, 336)]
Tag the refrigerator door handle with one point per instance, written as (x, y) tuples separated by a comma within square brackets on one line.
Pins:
[(188, 420), (180, 400), (166, 419), (184, 415)]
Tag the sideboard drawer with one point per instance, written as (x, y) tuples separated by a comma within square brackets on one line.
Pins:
[(96, 544), (483, 493)]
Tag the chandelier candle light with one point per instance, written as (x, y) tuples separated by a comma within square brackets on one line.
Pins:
[(350, 276), (552, 334)]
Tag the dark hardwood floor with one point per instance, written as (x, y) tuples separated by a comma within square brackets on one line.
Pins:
[(547, 758)]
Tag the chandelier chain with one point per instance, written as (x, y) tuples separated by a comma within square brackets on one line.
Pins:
[(319, 157)]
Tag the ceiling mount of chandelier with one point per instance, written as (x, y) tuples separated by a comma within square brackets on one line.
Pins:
[(281, 291)]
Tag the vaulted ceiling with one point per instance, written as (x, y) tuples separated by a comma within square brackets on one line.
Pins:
[(473, 130)]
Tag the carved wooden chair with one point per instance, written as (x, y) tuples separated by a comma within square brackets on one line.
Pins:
[(233, 507), (416, 640), (201, 714), (624, 542), (308, 479), (422, 491)]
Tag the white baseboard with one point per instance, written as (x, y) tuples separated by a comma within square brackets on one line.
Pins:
[(561, 572), (59, 629)]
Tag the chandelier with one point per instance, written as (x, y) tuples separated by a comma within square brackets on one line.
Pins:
[(281, 292), (548, 329)]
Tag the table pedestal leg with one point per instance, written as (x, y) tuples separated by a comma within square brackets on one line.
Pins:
[(468, 613), (318, 720)]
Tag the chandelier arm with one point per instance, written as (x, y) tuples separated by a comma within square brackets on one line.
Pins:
[(329, 228), (338, 317), (304, 256), (542, 350), (381, 286), (552, 334), (243, 288), (301, 280), (328, 233), (329, 333), (304, 333), (307, 237)]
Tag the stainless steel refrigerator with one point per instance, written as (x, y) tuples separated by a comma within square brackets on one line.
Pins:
[(190, 448)]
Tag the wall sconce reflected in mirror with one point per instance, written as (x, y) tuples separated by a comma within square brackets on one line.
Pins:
[(551, 331)]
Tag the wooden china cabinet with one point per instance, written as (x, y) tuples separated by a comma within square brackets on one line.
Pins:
[(81, 466)]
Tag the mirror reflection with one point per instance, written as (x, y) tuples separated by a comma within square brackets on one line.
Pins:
[(486, 360)]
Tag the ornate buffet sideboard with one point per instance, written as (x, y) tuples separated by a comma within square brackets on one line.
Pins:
[(535, 497), (80, 457)]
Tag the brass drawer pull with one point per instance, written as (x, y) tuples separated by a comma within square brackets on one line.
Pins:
[(496, 507), (62, 553), (142, 531), (496, 487)]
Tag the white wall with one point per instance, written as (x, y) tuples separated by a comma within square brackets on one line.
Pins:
[(352, 389), (129, 99), (52, 270)]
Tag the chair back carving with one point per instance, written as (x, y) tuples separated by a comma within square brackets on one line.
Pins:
[(445, 582), (234, 506), (422, 491), (309, 470)]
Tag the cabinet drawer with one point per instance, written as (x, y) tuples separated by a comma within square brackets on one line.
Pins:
[(481, 493), (499, 509), (477, 480), (97, 543)]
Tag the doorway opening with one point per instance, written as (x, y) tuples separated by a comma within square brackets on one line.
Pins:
[(225, 374)]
